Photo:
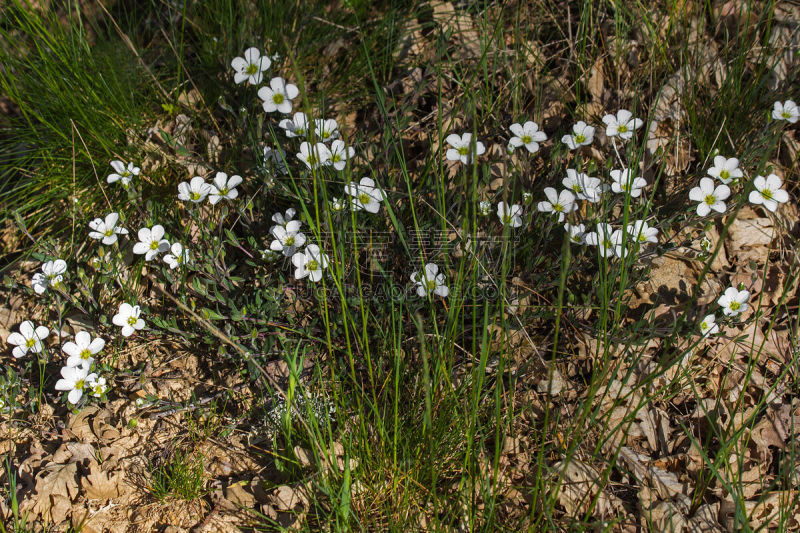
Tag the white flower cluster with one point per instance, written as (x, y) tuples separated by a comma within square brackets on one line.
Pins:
[(77, 376), (317, 155), (711, 196), (308, 263), (151, 244), (197, 190)]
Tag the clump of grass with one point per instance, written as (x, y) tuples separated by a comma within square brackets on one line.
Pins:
[(75, 100), (181, 475), (17, 522)]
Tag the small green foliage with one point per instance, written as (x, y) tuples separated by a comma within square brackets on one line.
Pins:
[(180, 475)]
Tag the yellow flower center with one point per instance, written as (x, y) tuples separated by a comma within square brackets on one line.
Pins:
[(766, 193), (735, 306), (108, 232), (724, 174), (312, 265), (786, 114), (622, 128), (577, 188), (251, 69), (194, 195), (132, 320), (86, 354), (431, 284), (154, 245), (464, 150), (526, 139), (711, 199), (506, 218), (80, 384), (558, 208), (364, 198), (580, 138), (30, 343), (277, 98), (290, 240), (125, 173)]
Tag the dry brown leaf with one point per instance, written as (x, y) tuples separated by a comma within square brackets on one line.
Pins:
[(56, 487), (665, 516), (579, 485), (597, 81), (286, 498), (102, 485)]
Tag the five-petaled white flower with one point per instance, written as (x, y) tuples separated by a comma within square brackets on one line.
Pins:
[(787, 110), (624, 181), (97, 386), (315, 156), (582, 135), (196, 190), (75, 379), (52, 275), (734, 301), (326, 129), (82, 351), (725, 170), (297, 126), (151, 242), (622, 124), (29, 338), (251, 67), (509, 215), (577, 232), (340, 154), (583, 186), (604, 239), (527, 135), (107, 229), (709, 197), (310, 262), (485, 207), (337, 204), (177, 256), (430, 281), (278, 96), (365, 195), (224, 187), (557, 203), (128, 317), (122, 173), (288, 238), (641, 232), (768, 192), (462, 149), (709, 326), (284, 219)]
